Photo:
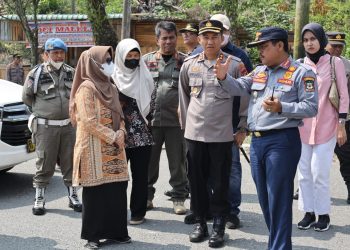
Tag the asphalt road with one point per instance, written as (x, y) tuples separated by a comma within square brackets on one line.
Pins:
[(60, 227)]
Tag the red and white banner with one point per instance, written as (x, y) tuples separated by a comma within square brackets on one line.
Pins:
[(73, 33)]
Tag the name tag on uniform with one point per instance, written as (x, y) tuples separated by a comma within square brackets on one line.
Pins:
[(285, 81)]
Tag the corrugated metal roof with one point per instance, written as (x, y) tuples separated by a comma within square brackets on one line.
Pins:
[(57, 17)]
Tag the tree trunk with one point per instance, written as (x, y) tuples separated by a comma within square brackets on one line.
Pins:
[(19, 7), (301, 19), (126, 19), (102, 29)]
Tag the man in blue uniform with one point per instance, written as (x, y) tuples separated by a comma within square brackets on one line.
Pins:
[(282, 93)]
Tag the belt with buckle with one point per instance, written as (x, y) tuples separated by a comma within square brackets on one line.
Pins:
[(269, 132), (60, 123)]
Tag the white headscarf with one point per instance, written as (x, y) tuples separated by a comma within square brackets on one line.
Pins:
[(135, 83)]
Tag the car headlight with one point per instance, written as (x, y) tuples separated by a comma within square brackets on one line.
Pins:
[(1, 113)]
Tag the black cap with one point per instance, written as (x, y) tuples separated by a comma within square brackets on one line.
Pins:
[(335, 37), (267, 34), (210, 26), (191, 27)]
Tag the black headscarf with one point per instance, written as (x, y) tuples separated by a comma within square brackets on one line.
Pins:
[(319, 33)]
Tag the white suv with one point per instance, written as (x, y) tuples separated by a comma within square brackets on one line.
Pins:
[(15, 137)]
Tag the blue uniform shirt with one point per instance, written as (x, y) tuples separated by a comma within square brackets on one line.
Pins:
[(294, 85)]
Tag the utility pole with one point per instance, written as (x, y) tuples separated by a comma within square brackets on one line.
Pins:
[(301, 19), (126, 22)]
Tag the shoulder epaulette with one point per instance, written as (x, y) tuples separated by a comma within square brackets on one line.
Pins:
[(68, 67), (150, 53), (191, 57)]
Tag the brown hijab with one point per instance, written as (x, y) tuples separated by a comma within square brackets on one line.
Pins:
[(89, 74)]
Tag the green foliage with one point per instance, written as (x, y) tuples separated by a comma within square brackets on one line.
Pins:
[(54, 6), (114, 6), (334, 17)]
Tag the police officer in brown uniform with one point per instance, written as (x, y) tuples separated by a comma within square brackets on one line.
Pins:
[(47, 91), (14, 71), (336, 44), (190, 37), (206, 116), (164, 66)]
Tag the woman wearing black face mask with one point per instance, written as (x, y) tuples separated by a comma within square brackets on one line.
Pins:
[(135, 84)]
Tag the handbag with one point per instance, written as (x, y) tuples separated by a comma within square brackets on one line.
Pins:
[(333, 94)]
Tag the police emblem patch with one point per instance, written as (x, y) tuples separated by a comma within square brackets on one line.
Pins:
[(208, 24), (309, 84)]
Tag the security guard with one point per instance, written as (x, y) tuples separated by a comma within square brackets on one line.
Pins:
[(14, 71), (164, 66), (206, 116), (46, 91), (190, 37), (336, 44), (282, 93)]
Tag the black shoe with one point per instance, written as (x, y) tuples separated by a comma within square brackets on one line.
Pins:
[(322, 223), (171, 194), (199, 233), (308, 220), (217, 238), (92, 244), (38, 211), (348, 186), (124, 240), (218, 233), (75, 207), (232, 222), (190, 219), (296, 195)]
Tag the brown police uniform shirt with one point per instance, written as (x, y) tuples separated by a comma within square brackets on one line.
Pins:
[(15, 73), (53, 92), (165, 98), (205, 107)]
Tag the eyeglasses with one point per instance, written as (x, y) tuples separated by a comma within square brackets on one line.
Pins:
[(108, 60)]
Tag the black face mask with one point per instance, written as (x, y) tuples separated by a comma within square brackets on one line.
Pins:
[(131, 63)]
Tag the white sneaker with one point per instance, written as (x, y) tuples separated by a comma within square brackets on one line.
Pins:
[(179, 207)]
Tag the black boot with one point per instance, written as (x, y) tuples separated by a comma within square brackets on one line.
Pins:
[(74, 199), (200, 231), (218, 233), (348, 186)]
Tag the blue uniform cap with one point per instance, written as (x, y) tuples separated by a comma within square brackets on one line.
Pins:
[(268, 34), (55, 43)]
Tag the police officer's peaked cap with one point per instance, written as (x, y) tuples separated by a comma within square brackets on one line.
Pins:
[(268, 34), (191, 27), (55, 43), (335, 37), (210, 26)]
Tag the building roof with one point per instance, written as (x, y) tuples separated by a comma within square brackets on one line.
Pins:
[(53, 17)]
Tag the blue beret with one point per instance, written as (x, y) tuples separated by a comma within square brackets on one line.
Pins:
[(55, 43), (268, 34)]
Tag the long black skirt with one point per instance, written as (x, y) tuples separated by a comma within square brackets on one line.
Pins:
[(105, 212)]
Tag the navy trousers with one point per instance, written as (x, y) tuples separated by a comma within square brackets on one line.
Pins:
[(274, 159)]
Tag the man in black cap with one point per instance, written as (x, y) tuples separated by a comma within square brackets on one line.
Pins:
[(336, 44), (190, 37), (206, 117), (282, 93)]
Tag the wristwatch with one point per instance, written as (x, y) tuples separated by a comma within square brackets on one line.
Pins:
[(341, 121)]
